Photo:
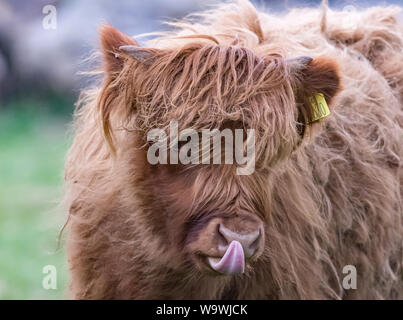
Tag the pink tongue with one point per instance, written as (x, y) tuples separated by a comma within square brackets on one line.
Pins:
[(232, 262)]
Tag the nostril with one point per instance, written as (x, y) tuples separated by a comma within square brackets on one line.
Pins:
[(255, 244), (222, 240), (249, 241), (252, 246)]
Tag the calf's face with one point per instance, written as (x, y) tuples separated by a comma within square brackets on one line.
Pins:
[(212, 216)]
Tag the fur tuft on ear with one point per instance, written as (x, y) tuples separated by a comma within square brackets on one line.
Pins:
[(112, 40)]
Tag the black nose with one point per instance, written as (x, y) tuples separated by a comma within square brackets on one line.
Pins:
[(249, 241)]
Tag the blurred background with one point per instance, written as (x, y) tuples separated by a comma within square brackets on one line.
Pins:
[(41, 52)]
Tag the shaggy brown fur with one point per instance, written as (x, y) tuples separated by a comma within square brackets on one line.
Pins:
[(136, 230)]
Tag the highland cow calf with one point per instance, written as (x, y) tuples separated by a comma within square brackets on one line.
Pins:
[(325, 193)]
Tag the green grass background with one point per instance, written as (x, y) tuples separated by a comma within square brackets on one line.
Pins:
[(33, 143)]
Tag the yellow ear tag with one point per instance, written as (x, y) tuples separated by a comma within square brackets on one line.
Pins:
[(320, 108)]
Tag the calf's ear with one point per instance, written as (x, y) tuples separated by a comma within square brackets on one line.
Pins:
[(117, 47), (314, 76), (114, 60), (111, 41)]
